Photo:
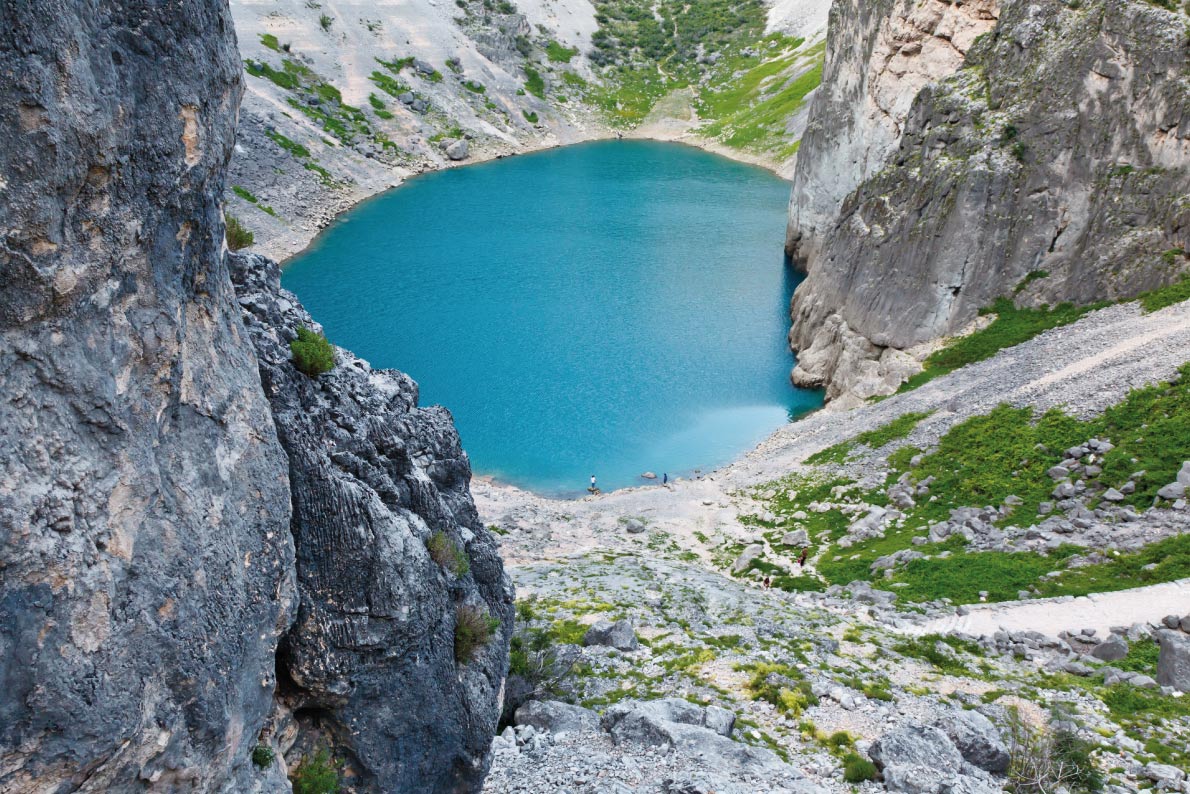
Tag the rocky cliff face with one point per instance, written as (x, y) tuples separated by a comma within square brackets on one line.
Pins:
[(146, 568), (1062, 146), (162, 513), (879, 56), (370, 662)]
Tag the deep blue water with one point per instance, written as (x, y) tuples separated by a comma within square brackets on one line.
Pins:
[(609, 308)]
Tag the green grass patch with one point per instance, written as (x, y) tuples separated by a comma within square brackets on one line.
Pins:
[(534, 83), (1168, 295), (1170, 559), (474, 87), (560, 54), (926, 648), (448, 554), (387, 84), (474, 628), (318, 773), (270, 41), (530, 116), (962, 577), (897, 429), (237, 234), (781, 685), (296, 149)]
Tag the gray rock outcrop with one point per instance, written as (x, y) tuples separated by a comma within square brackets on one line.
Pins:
[(673, 722), (371, 656), (923, 760), (619, 635), (976, 739), (144, 511), (172, 487), (1060, 148), (879, 56), (556, 717)]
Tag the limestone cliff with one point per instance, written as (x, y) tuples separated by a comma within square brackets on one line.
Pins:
[(1060, 147), (879, 56), (370, 662), (146, 568), (174, 536)]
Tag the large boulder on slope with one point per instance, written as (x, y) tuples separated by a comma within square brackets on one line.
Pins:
[(1173, 661)]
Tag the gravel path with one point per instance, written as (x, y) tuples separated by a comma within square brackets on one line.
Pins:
[(1099, 611)]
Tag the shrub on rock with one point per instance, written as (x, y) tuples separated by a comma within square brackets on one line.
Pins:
[(473, 629), (237, 235), (312, 354), (448, 554)]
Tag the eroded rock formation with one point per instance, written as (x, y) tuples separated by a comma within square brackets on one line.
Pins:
[(174, 536), (1061, 147), (370, 660)]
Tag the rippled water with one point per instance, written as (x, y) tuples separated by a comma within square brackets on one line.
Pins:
[(609, 308)]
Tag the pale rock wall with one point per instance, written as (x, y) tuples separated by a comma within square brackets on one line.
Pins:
[(1062, 146)]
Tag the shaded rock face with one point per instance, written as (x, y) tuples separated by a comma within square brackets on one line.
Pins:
[(145, 555), (880, 54), (370, 659), (1061, 146)]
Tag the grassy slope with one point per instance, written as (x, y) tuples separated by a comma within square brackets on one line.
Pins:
[(982, 461)]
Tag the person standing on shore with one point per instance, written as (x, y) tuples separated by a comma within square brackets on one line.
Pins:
[(593, 489), (665, 478)]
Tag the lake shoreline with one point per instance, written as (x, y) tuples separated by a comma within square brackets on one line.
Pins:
[(296, 242)]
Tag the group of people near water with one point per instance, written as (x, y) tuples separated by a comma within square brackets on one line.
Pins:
[(595, 488)]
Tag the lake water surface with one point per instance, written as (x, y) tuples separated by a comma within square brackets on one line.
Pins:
[(609, 308)]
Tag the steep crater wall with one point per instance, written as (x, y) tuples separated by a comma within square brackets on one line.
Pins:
[(1061, 147)]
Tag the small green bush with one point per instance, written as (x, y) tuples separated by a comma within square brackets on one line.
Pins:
[(534, 83), (263, 755), (474, 628), (237, 236), (857, 769), (326, 21), (448, 554), (530, 116), (312, 354), (316, 774)]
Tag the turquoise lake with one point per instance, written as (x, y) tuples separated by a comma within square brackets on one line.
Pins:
[(609, 308)]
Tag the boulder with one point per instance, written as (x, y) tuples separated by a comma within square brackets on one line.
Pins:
[(746, 558), (1112, 649), (457, 150), (682, 725), (921, 760), (634, 526), (797, 538), (556, 717), (1173, 661), (976, 739), (916, 746), (619, 635)]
